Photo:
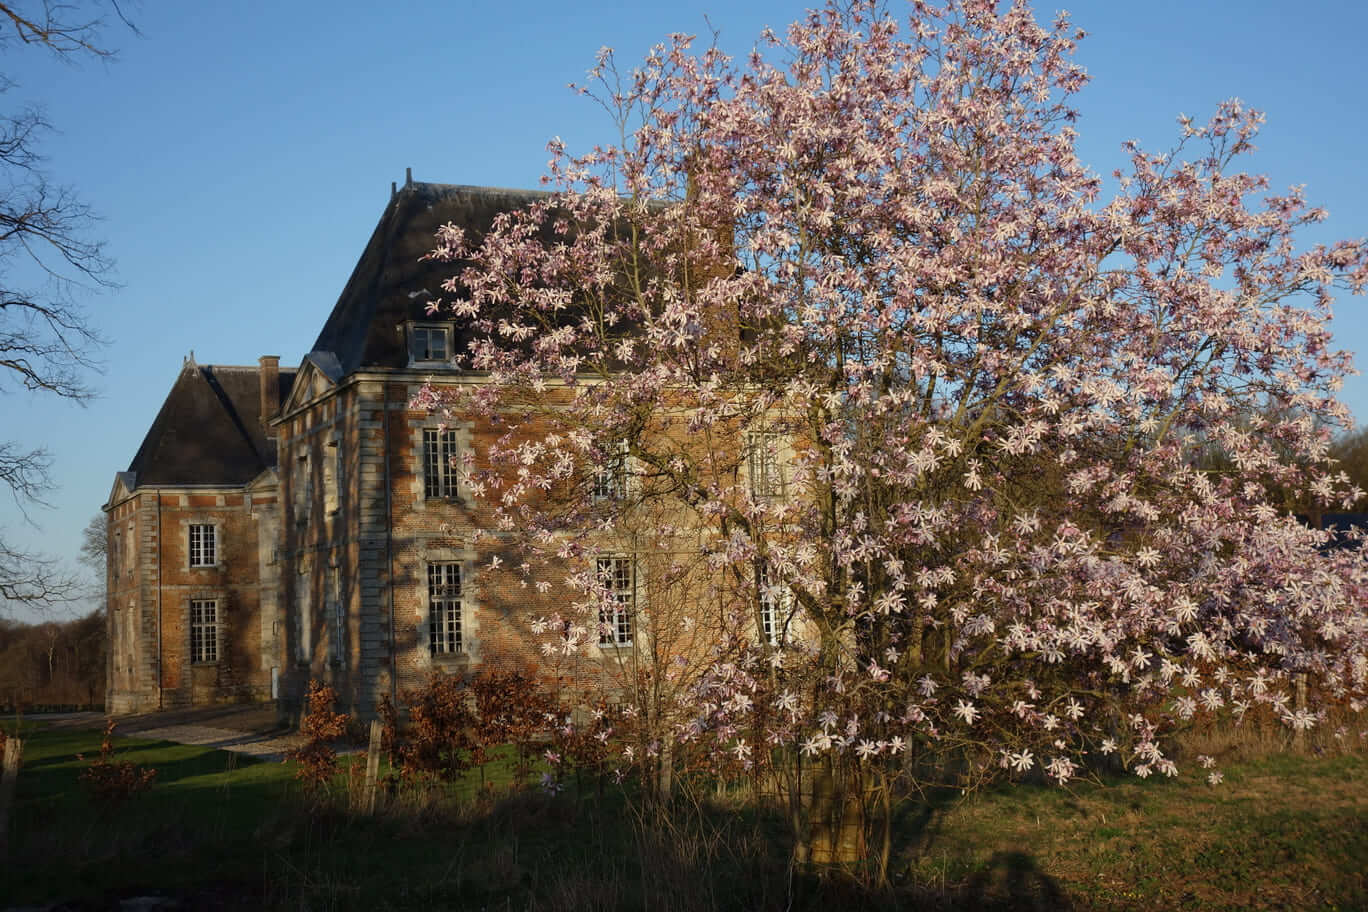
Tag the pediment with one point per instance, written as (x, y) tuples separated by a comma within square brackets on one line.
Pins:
[(318, 374), (125, 483)]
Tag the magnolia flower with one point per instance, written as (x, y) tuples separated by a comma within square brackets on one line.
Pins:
[(966, 711)]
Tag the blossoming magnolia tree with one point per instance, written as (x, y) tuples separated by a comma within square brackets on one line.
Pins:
[(853, 325)]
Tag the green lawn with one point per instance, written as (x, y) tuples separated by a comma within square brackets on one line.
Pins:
[(1283, 832)]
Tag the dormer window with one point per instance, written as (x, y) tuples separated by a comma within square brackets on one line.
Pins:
[(429, 343)]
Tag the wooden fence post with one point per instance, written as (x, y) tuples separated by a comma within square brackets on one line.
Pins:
[(373, 764), (14, 749)]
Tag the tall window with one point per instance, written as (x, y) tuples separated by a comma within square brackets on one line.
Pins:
[(332, 475), (762, 457), (773, 607), (203, 546), (302, 484), (336, 615), (610, 480), (429, 343), (303, 615), (203, 630), (439, 462), (444, 608), (618, 576)]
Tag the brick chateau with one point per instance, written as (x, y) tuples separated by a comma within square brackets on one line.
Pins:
[(284, 523)]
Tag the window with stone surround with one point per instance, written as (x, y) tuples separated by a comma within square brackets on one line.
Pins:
[(429, 343), (444, 609), (439, 462), (204, 625), (763, 466), (332, 475), (203, 545), (775, 607), (617, 576), (610, 479), (303, 615), (302, 488)]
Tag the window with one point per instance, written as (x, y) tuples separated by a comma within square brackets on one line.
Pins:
[(429, 343), (332, 474), (762, 457), (303, 488), (444, 609), (773, 607), (203, 630), (338, 618), (203, 545), (439, 462), (618, 576), (610, 480), (304, 615)]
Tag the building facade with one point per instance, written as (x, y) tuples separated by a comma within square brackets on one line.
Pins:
[(281, 525), (285, 524)]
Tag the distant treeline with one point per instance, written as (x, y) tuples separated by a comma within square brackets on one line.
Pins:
[(53, 665)]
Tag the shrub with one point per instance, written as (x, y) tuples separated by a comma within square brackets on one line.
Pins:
[(113, 783), (321, 726)]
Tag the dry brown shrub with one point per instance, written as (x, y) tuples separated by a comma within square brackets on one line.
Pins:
[(317, 759), (112, 783)]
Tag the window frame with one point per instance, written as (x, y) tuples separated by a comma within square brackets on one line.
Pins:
[(446, 630), (610, 479), (441, 475), (302, 487), (764, 468), (332, 475), (195, 552), (775, 610), (622, 590), (204, 632), (427, 355)]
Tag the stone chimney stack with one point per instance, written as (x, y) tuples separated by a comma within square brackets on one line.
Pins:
[(270, 389)]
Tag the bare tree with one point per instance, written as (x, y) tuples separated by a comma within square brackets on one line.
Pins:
[(47, 259)]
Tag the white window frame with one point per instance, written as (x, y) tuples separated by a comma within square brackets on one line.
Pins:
[(764, 468), (775, 608), (204, 627), (617, 575), (610, 478), (202, 545), (446, 608), (427, 354), (441, 473)]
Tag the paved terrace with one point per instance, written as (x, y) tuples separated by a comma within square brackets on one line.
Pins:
[(252, 729)]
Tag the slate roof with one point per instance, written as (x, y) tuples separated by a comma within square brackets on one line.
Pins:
[(209, 429), (392, 284)]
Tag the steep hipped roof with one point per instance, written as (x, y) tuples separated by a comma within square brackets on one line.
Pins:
[(392, 283), (209, 429)]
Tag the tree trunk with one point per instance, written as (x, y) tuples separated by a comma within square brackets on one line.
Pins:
[(835, 828), (13, 751)]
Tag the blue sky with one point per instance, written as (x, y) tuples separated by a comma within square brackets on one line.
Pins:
[(241, 153)]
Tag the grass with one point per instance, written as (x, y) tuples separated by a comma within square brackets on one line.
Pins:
[(1283, 832)]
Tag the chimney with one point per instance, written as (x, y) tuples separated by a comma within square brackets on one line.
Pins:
[(270, 388)]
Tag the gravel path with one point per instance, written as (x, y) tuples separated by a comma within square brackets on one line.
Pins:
[(253, 730)]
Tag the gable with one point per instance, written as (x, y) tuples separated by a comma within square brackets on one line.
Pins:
[(318, 374)]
